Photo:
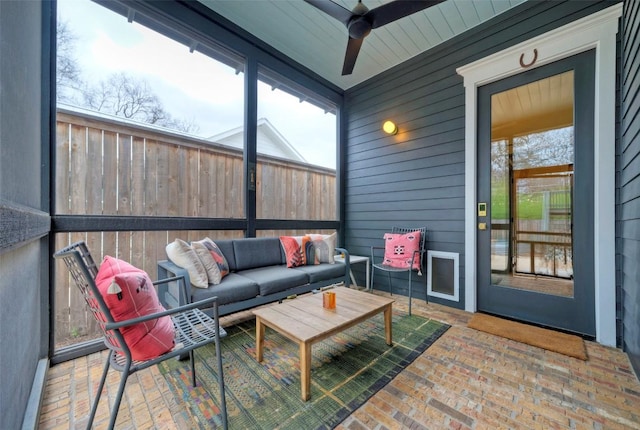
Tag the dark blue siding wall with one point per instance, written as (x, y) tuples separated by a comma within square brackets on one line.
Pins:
[(416, 178), (23, 256), (629, 179)]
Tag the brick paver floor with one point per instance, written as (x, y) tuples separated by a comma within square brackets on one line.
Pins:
[(465, 380)]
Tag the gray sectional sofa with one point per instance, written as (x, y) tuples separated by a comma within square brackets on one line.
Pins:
[(258, 275)]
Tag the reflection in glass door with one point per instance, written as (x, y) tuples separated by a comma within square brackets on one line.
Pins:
[(535, 251), (532, 156)]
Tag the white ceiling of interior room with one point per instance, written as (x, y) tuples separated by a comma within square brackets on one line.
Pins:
[(319, 41)]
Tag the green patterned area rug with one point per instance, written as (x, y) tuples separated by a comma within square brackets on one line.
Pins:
[(346, 370)]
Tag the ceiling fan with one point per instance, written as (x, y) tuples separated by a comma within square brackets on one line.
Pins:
[(360, 21)]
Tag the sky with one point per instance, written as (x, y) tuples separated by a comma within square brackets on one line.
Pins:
[(190, 85)]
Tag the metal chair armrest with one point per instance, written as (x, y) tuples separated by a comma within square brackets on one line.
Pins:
[(347, 268), (373, 252), (156, 315)]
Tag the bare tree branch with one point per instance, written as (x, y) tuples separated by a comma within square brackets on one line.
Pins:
[(120, 94), (67, 69)]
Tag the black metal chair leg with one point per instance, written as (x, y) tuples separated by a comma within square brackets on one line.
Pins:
[(103, 378), (223, 401), (426, 290), (373, 272), (116, 404), (410, 271), (193, 368)]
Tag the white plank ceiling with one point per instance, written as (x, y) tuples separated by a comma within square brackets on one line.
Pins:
[(318, 41)]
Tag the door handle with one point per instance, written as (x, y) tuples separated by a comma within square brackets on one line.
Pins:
[(482, 226)]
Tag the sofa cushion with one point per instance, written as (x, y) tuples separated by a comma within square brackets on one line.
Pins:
[(274, 279), (251, 253), (322, 272), (233, 288), (226, 246)]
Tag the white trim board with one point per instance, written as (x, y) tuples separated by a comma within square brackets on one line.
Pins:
[(595, 31)]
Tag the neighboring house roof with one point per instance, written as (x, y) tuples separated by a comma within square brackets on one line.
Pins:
[(270, 141), (103, 116)]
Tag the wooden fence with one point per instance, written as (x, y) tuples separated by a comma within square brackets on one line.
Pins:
[(105, 166)]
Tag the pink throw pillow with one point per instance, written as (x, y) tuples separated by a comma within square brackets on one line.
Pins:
[(399, 250), (292, 251), (129, 293)]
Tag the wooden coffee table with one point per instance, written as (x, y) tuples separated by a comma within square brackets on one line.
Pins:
[(305, 321)]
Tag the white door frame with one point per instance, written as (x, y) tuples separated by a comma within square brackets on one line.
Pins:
[(597, 31)]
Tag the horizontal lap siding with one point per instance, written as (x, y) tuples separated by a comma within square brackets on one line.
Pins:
[(416, 178), (629, 180)]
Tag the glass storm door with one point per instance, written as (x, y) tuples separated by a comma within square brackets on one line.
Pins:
[(535, 194)]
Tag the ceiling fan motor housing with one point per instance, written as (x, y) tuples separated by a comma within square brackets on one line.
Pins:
[(359, 27)]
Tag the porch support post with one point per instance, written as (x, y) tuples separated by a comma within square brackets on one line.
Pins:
[(604, 188)]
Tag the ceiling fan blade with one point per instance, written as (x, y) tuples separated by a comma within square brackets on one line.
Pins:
[(397, 9), (353, 47), (332, 9)]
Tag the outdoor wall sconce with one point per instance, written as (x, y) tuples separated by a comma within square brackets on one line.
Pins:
[(390, 127)]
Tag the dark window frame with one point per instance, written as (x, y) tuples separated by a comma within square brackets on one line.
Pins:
[(201, 29)]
